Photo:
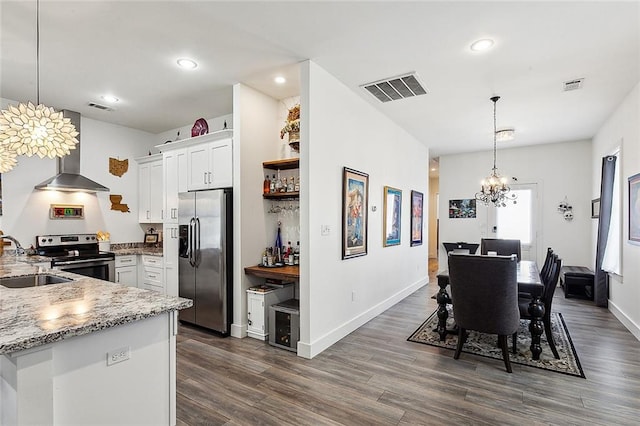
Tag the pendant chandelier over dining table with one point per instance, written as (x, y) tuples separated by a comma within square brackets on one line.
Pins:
[(29, 129), (494, 188)]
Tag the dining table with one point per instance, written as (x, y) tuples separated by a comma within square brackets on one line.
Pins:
[(529, 282)]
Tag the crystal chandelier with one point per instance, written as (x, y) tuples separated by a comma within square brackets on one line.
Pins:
[(34, 129), (494, 188)]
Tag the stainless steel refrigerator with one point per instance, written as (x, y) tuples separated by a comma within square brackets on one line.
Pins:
[(206, 257)]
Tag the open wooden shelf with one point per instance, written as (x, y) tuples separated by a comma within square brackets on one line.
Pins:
[(282, 196), (286, 164)]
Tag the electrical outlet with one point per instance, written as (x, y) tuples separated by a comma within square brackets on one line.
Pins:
[(325, 230), (118, 355)]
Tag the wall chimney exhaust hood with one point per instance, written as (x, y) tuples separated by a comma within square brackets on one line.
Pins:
[(69, 177)]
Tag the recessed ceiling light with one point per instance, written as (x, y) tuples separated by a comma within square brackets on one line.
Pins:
[(109, 98), (280, 79), (187, 64), (433, 169), (480, 45)]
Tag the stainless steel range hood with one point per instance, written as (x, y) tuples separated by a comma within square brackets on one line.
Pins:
[(69, 177)]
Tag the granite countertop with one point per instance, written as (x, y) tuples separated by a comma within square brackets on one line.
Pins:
[(150, 251), (36, 316)]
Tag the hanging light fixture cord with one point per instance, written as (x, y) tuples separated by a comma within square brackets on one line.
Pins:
[(495, 101), (37, 52)]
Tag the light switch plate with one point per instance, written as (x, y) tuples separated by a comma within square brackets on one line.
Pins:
[(325, 230)]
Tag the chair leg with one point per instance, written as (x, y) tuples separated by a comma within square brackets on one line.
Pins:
[(550, 340), (505, 352), (514, 342), (462, 336)]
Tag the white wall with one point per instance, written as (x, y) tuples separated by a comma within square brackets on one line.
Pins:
[(434, 184), (26, 210), (622, 129), (339, 129), (255, 139), (559, 169)]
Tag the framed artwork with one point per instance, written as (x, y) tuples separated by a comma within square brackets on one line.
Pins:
[(462, 209), (355, 202), (392, 216), (595, 208), (416, 218), (150, 238), (634, 209), (66, 211)]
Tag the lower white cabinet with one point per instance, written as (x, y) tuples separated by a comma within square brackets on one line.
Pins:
[(258, 301), (127, 270), (152, 273), (170, 245)]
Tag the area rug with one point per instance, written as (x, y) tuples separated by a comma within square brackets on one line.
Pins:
[(486, 344)]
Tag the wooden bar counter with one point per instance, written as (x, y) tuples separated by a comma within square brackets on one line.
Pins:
[(282, 273)]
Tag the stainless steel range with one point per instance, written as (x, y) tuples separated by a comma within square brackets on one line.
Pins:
[(77, 253)]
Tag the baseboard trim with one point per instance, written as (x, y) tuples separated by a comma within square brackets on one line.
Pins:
[(310, 350), (239, 330), (624, 319)]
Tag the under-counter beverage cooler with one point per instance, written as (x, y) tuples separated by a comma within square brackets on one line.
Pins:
[(284, 324)]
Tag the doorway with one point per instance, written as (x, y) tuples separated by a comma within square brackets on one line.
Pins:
[(518, 221)]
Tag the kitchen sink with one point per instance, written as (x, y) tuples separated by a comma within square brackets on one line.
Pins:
[(32, 280)]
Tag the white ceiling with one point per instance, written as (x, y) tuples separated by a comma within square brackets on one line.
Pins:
[(129, 49)]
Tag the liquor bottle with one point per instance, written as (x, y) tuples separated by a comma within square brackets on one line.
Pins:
[(278, 184), (296, 187), (278, 246), (266, 185), (272, 184), (290, 185), (296, 254)]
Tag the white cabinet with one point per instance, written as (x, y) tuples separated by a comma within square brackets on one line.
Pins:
[(150, 189), (127, 270), (210, 165), (174, 181), (170, 256), (258, 301), (152, 273)]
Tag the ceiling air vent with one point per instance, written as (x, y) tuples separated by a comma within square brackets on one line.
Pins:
[(98, 106), (573, 84), (396, 88)]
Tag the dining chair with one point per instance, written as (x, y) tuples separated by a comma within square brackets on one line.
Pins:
[(502, 247), (550, 286), (484, 292), (546, 267)]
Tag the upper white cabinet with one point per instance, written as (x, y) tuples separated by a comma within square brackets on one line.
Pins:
[(174, 181), (150, 191), (210, 165)]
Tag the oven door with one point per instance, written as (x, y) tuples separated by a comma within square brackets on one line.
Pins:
[(97, 268)]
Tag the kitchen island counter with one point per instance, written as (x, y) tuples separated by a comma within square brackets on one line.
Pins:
[(38, 315), (85, 352)]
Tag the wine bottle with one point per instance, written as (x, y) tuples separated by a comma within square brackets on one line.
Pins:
[(278, 245), (266, 185), (272, 184)]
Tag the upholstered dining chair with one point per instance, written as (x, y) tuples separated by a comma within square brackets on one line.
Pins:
[(502, 247), (484, 292), (550, 285)]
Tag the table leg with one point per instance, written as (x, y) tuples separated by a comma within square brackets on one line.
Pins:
[(536, 326), (443, 299)]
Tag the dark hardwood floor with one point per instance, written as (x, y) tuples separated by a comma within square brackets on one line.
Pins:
[(375, 377)]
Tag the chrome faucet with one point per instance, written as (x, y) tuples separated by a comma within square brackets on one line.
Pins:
[(19, 249)]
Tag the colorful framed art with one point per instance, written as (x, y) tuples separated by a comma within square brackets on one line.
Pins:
[(392, 216), (417, 200), (355, 202)]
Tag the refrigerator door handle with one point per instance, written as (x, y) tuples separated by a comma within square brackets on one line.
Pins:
[(197, 234), (190, 242)]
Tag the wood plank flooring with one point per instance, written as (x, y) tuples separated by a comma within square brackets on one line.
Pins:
[(375, 377)]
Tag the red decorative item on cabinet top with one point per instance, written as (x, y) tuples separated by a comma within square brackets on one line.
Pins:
[(200, 127)]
